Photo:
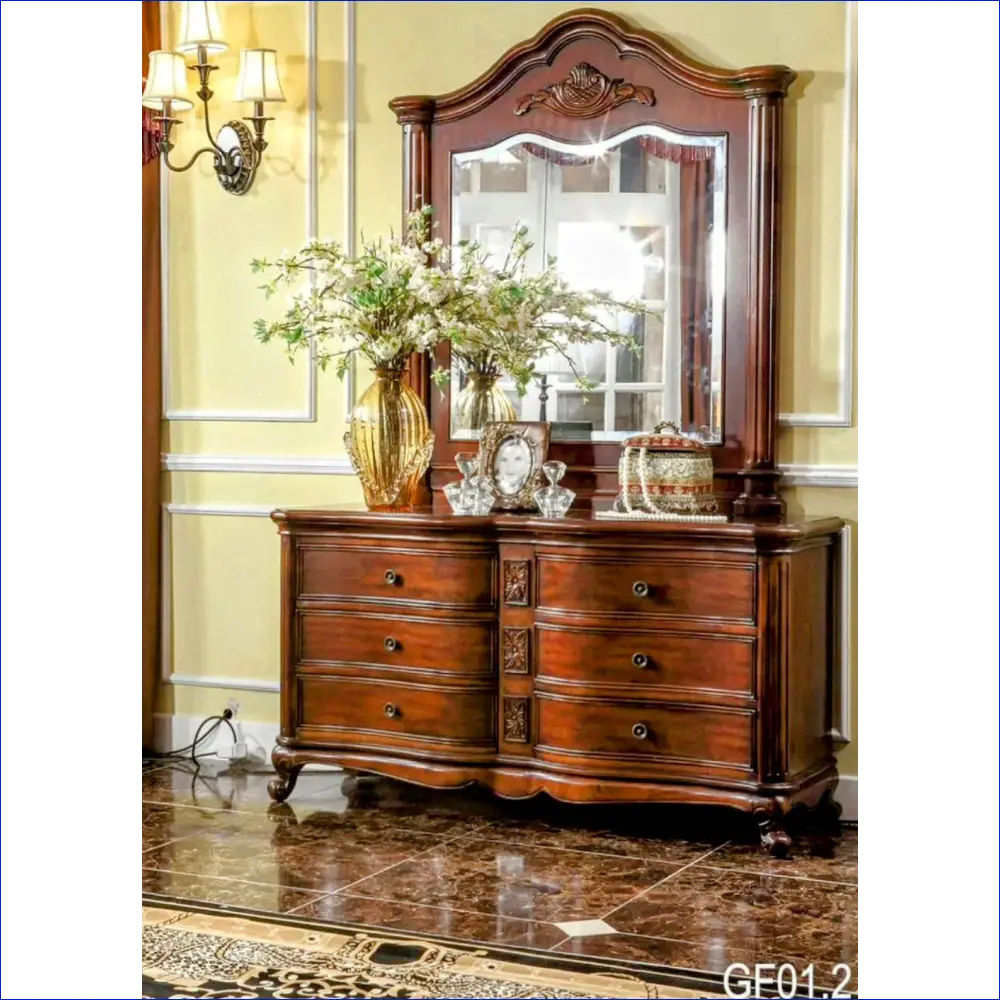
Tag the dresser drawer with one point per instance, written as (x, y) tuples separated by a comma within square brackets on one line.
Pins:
[(660, 587), (394, 641), (369, 573), (646, 659), (373, 712), (645, 730)]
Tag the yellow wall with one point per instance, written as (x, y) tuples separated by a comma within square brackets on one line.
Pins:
[(223, 595)]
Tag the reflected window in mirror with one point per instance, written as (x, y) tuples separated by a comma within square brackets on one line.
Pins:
[(641, 216)]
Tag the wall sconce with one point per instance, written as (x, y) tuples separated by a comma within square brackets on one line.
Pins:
[(236, 151)]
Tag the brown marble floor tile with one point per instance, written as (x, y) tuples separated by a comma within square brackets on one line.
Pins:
[(780, 916), (829, 856), (540, 833), (432, 920), (322, 852), (715, 955), (443, 816), (162, 824), (226, 892), (512, 880)]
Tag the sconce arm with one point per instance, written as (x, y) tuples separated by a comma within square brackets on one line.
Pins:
[(204, 70), (208, 132), (190, 163)]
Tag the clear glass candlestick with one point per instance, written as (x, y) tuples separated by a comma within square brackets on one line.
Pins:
[(554, 500)]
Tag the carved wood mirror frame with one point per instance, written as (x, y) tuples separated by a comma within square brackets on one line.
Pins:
[(642, 80)]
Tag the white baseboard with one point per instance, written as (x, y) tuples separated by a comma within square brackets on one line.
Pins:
[(170, 732), (847, 796)]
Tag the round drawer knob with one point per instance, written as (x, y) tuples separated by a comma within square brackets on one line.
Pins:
[(390, 643), (640, 660), (640, 731), (640, 588), (390, 577), (389, 710)]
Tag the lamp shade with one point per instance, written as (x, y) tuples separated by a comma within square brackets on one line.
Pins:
[(259, 76), (166, 81), (201, 25)]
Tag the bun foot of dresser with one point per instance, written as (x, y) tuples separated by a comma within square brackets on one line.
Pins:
[(360, 788), (829, 810), (774, 837), (288, 767)]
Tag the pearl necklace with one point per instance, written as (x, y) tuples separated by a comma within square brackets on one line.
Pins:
[(638, 515)]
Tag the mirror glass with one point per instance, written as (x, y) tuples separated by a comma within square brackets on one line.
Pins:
[(640, 215)]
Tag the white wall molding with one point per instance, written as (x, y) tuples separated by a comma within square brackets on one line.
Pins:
[(220, 510), (229, 683), (845, 476), (308, 413), (350, 166), (844, 417), (332, 465), (166, 593)]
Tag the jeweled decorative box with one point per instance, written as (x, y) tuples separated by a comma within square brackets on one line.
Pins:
[(665, 474)]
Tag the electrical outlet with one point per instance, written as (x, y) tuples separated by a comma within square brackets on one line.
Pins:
[(234, 706)]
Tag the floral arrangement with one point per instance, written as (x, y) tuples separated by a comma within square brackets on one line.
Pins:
[(404, 295), (505, 320), (384, 304)]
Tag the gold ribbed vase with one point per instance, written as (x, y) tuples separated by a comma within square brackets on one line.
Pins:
[(389, 442), (482, 402)]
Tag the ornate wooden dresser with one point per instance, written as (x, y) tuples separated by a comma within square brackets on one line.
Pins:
[(591, 659)]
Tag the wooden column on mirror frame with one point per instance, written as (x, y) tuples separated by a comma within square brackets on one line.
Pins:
[(760, 496), (151, 407), (415, 115)]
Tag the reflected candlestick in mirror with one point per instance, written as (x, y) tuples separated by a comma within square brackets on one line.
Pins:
[(641, 216)]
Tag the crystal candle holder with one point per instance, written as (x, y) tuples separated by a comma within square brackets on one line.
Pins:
[(554, 500), (457, 494), (473, 494)]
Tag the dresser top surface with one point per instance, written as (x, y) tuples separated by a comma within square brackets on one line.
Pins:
[(575, 522)]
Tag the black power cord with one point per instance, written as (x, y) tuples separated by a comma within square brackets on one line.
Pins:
[(192, 748)]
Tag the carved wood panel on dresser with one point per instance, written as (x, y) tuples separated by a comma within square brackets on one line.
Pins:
[(592, 660)]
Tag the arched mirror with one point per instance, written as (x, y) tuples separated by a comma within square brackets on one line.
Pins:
[(644, 174), (640, 215)]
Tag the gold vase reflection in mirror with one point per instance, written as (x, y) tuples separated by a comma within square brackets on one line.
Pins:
[(640, 215), (389, 442), (482, 402)]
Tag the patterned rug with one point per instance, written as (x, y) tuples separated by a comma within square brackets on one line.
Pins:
[(191, 953)]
